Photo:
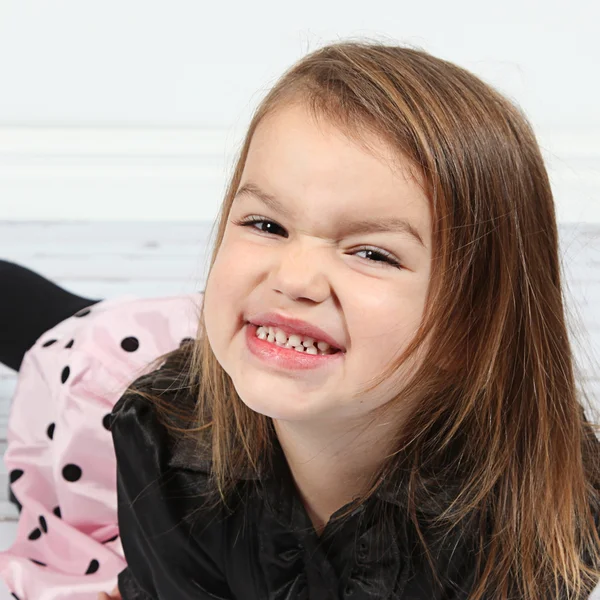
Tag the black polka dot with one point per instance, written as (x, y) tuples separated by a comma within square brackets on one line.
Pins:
[(107, 421), (50, 430), (35, 534), (71, 472), (112, 539), (130, 344), (65, 374), (15, 474), (70, 344), (15, 596), (56, 511), (14, 500), (83, 313), (94, 566), (49, 343), (37, 562), (43, 524)]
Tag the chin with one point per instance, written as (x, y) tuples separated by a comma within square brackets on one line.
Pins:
[(275, 409)]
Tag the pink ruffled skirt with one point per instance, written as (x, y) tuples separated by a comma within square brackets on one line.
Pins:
[(60, 456)]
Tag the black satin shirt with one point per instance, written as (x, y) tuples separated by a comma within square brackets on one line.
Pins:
[(266, 547)]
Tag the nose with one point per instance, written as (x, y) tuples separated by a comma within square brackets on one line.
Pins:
[(299, 272)]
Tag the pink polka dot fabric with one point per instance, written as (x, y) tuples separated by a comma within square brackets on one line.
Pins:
[(60, 456)]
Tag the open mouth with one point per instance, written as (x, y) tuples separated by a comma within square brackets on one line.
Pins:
[(293, 342)]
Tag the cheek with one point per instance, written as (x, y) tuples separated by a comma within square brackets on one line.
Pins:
[(225, 292), (383, 332), (378, 346), (227, 277), (236, 262)]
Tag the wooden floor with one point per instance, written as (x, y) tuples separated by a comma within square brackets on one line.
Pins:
[(103, 260)]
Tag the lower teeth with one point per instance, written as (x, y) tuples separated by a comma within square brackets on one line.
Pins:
[(305, 351)]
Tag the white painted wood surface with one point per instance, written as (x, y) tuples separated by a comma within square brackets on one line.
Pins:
[(103, 260)]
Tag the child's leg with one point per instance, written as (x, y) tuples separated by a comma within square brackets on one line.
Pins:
[(30, 305)]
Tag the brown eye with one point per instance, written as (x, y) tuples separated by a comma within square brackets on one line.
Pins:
[(387, 258), (253, 220)]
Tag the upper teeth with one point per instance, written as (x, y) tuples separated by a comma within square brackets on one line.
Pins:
[(298, 342)]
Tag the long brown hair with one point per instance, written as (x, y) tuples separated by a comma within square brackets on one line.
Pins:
[(499, 383)]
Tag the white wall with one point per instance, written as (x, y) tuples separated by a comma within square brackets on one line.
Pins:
[(131, 109)]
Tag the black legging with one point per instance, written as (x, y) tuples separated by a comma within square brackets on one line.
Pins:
[(30, 305)]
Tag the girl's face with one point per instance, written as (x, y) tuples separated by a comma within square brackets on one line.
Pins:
[(309, 265)]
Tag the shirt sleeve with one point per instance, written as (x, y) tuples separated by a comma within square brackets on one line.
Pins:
[(168, 556)]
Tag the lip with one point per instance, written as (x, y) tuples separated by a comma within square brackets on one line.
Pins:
[(285, 359), (290, 326)]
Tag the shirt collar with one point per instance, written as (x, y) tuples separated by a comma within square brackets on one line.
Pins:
[(194, 454)]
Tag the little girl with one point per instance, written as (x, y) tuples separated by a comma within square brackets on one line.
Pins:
[(378, 399)]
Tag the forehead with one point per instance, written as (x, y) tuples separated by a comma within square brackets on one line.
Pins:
[(313, 163), (295, 127)]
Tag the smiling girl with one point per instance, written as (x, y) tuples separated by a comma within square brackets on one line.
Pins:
[(380, 399)]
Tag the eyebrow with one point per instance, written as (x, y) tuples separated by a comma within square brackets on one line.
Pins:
[(371, 225)]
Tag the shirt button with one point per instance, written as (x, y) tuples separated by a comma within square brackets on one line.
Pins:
[(362, 550)]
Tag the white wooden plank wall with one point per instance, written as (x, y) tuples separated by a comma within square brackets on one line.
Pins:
[(102, 260)]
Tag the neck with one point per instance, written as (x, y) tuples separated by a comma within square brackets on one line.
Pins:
[(331, 467)]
